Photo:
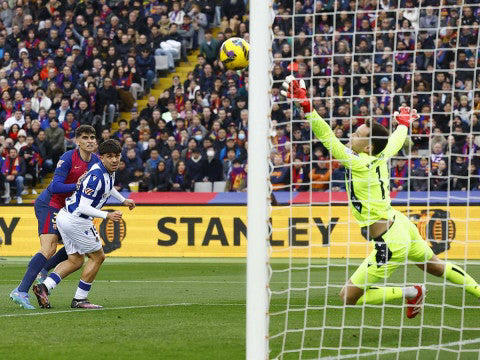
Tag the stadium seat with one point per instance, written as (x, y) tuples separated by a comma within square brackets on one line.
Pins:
[(203, 187), (161, 62), (219, 186)]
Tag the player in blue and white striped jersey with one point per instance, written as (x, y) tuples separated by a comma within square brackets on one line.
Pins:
[(75, 225)]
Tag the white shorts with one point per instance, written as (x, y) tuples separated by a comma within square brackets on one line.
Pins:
[(78, 235)]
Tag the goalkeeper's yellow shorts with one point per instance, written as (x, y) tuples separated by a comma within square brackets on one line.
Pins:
[(401, 242)]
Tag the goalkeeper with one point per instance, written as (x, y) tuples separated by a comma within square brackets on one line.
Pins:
[(395, 237)]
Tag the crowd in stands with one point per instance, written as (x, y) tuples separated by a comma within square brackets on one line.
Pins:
[(67, 63), (363, 59)]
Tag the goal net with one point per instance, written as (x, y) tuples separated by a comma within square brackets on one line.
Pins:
[(361, 60)]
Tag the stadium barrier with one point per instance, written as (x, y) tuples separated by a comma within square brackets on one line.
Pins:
[(220, 231)]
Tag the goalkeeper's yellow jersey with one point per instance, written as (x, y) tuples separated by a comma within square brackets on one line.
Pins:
[(367, 177)]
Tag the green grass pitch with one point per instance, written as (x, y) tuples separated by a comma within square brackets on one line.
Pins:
[(195, 309)]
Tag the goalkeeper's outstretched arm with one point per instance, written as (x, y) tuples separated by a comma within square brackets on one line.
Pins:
[(339, 151)]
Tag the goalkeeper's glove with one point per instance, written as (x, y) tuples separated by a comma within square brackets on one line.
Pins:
[(405, 117), (296, 90)]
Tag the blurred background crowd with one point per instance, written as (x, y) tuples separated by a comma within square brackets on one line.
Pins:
[(362, 60), (67, 63)]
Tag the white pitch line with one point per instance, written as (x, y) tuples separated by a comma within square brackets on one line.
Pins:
[(46, 312), (186, 281), (405, 349)]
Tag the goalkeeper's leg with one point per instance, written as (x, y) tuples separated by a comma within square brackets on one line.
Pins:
[(391, 250), (452, 273), (423, 255)]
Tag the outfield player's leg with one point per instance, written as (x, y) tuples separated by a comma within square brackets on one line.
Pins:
[(423, 255), (48, 242), (390, 252), (95, 261)]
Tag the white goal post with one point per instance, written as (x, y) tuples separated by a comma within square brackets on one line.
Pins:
[(258, 178)]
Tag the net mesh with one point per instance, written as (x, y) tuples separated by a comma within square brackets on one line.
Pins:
[(362, 60)]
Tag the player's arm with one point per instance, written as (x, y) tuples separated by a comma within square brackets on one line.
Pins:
[(60, 176), (127, 202), (92, 185), (397, 138), (296, 90), (339, 151)]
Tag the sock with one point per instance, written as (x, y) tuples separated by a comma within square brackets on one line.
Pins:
[(457, 275), (56, 259), (377, 296), (410, 292), (52, 280), (82, 290), (34, 267)]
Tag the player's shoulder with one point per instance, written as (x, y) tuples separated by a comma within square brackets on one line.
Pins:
[(66, 158)]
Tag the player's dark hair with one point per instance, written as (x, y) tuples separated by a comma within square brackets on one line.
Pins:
[(109, 146), (379, 136), (84, 129)]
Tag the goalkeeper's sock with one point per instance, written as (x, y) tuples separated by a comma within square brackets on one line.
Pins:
[(34, 267), (457, 275), (82, 290), (52, 280), (56, 259), (380, 295)]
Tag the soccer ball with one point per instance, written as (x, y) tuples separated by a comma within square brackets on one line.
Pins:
[(234, 53)]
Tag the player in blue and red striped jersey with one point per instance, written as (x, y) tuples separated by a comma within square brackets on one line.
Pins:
[(70, 168)]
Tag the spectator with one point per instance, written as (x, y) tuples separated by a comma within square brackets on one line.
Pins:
[(213, 168), (133, 164), (13, 170), (55, 137), (439, 177), (108, 101), (122, 177), (419, 175), (146, 68), (195, 165), (227, 162), (180, 179), (160, 180), (209, 48), (459, 173), (280, 176), (338, 179), (399, 176), (237, 180), (320, 175)]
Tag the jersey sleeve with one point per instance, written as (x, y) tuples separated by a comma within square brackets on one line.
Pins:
[(61, 172), (64, 165), (395, 142), (92, 184), (339, 151)]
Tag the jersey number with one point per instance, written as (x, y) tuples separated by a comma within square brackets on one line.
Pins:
[(381, 183), (355, 203)]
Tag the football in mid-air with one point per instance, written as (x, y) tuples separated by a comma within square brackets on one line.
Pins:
[(234, 53)]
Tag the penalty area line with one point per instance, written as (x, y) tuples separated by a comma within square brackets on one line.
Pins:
[(46, 312), (405, 349)]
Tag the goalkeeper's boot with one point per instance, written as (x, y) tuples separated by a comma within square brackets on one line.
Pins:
[(415, 304), (42, 276), (22, 299), (84, 304), (41, 292)]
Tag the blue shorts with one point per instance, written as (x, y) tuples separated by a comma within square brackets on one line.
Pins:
[(47, 218)]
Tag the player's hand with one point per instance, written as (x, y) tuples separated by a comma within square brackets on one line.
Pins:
[(130, 203), (115, 215), (405, 116), (296, 90), (80, 179)]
